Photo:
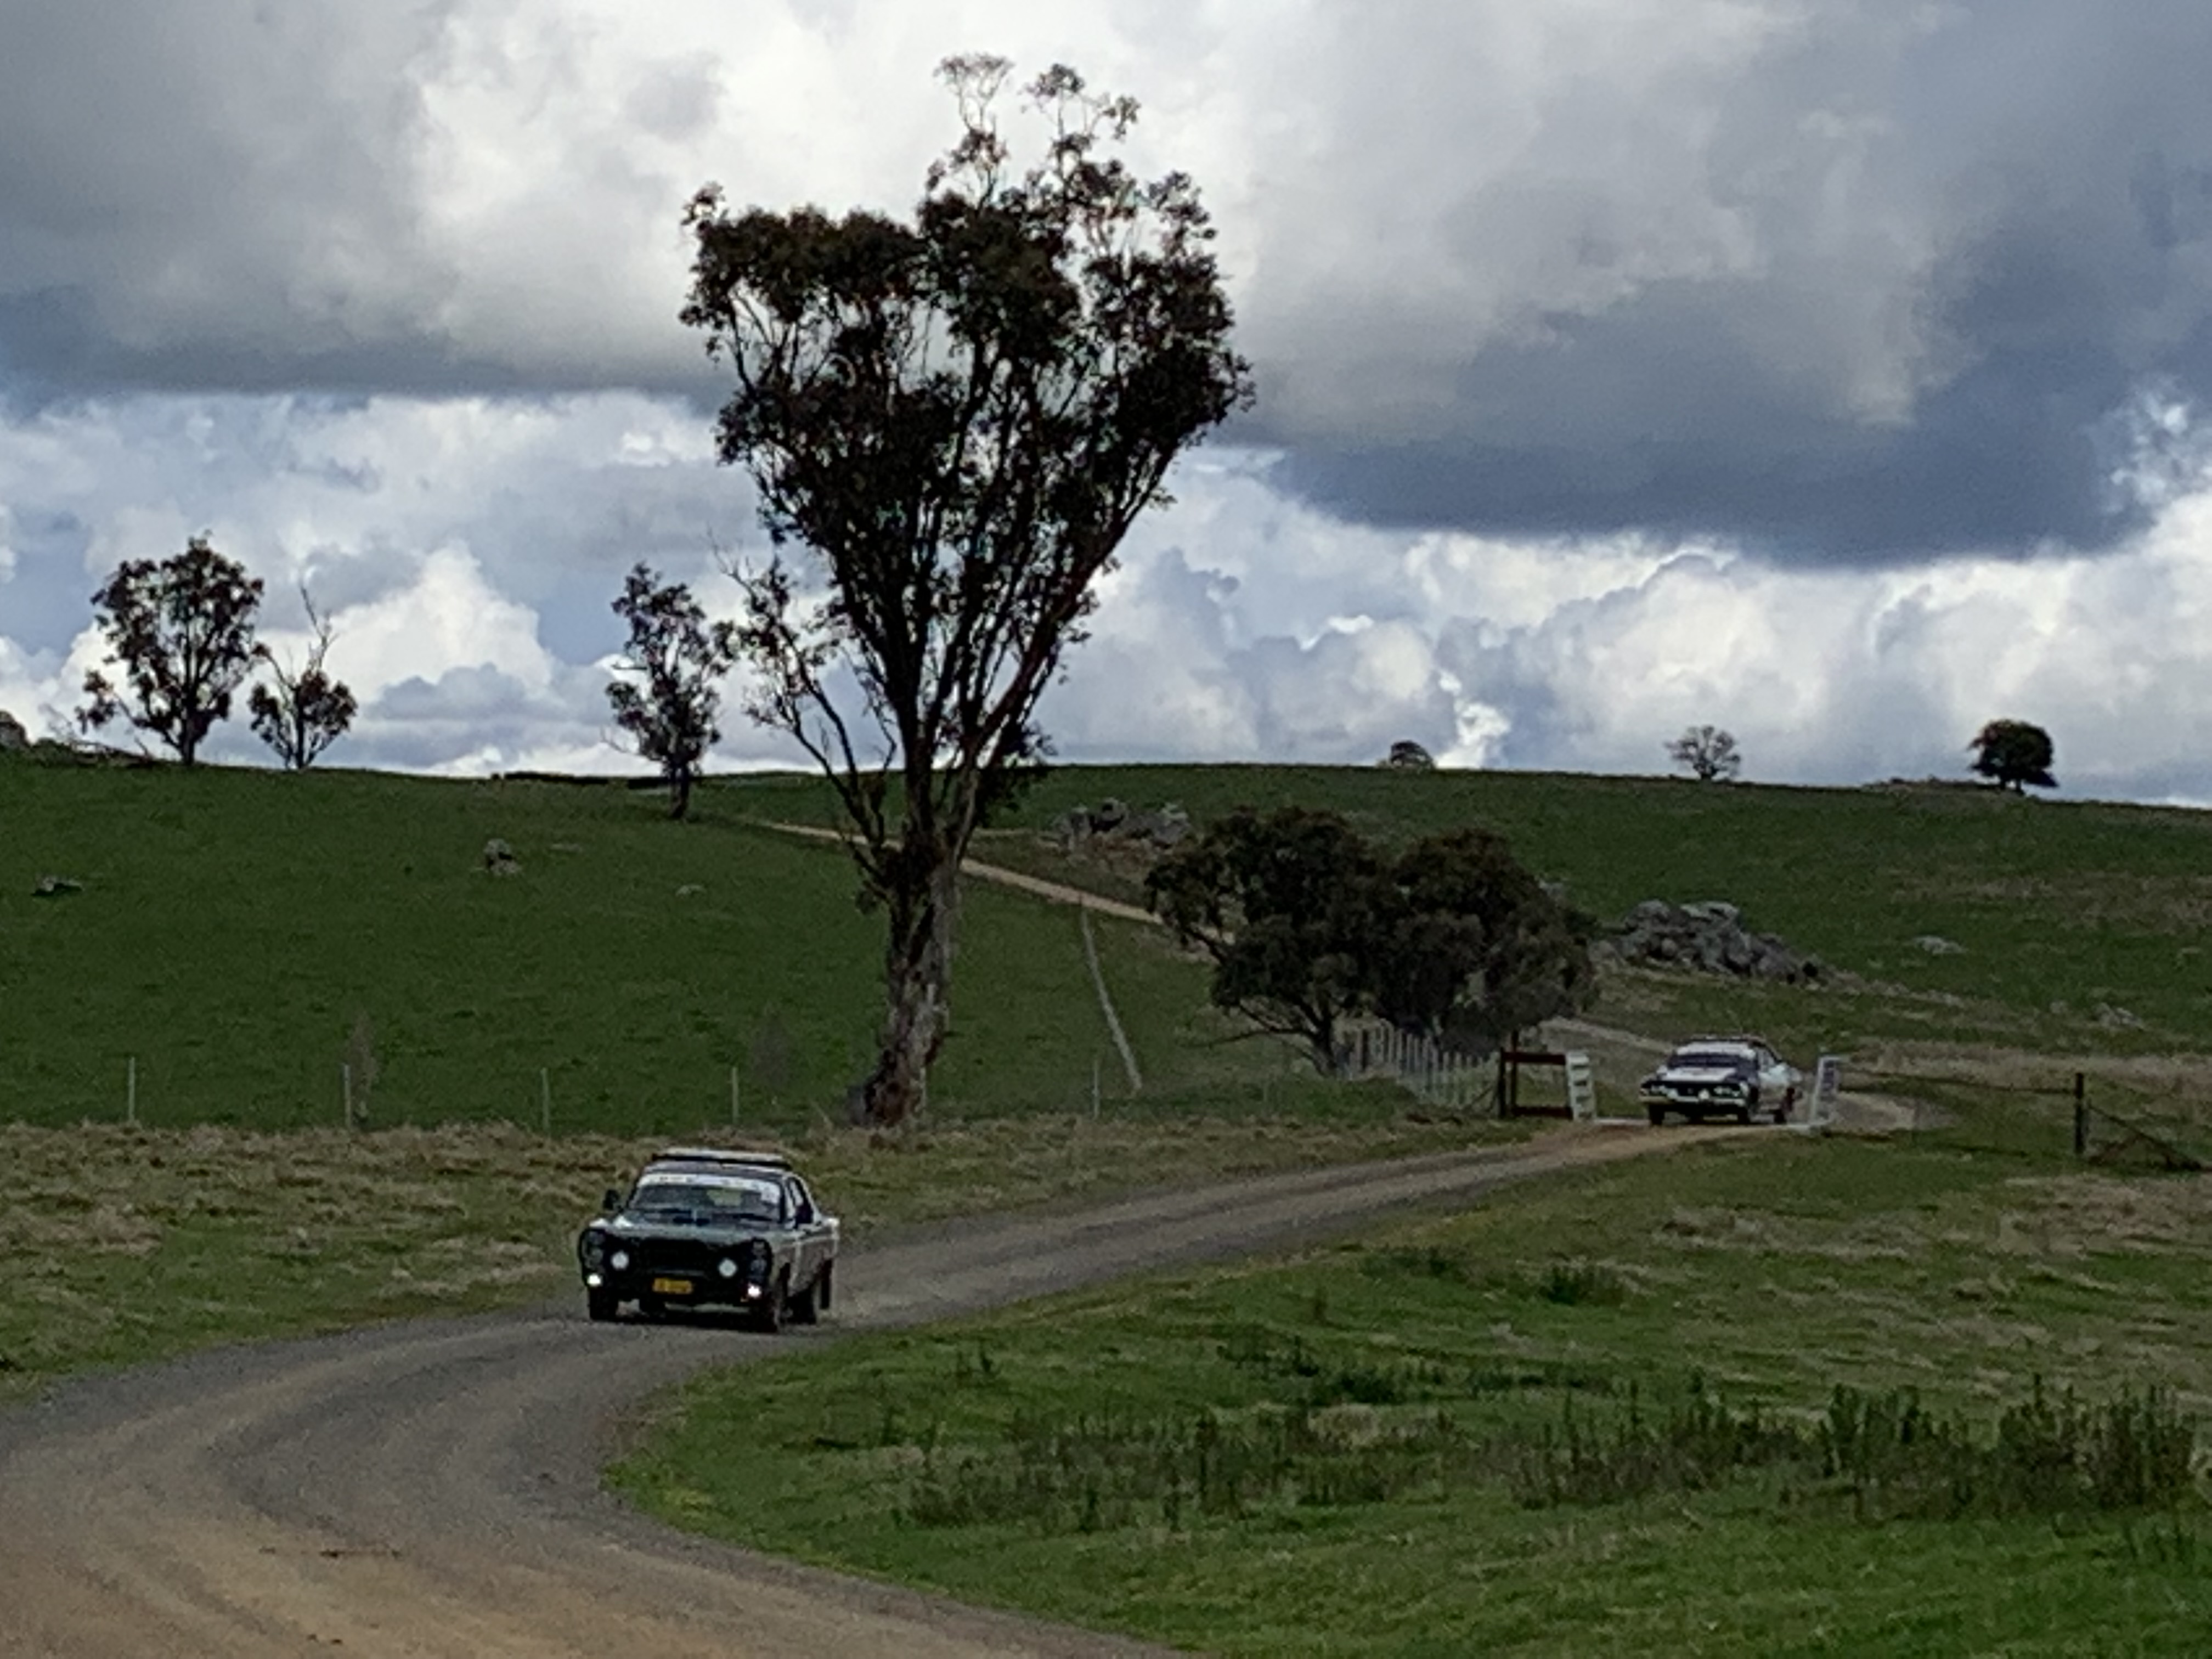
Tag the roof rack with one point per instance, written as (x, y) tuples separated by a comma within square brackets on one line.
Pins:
[(733, 1155)]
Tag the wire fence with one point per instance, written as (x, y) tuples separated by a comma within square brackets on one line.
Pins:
[(2091, 1119), (1432, 1074)]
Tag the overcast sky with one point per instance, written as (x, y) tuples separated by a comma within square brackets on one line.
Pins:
[(1839, 371)]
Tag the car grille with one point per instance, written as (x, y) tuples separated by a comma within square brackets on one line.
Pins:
[(678, 1256)]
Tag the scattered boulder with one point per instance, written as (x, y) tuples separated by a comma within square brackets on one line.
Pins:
[(2114, 1019), (13, 739), (499, 859), (1706, 938), (1113, 825), (1936, 945), (55, 887)]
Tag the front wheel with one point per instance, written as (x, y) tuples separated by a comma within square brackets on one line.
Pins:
[(601, 1306), (1657, 1114), (775, 1304), (806, 1305)]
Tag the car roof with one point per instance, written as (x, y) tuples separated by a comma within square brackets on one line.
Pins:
[(726, 1157)]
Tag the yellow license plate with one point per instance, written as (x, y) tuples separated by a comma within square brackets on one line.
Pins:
[(671, 1288)]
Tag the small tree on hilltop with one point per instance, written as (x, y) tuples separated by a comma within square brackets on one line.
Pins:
[(182, 631), (306, 711), (959, 417), (1707, 752), (679, 658), (1406, 755), (2015, 753)]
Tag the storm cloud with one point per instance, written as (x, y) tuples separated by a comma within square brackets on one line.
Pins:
[(1833, 370), (1841, 280)]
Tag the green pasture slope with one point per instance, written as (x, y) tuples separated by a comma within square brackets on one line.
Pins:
[(2060, 907), (234, 926), (1596, 1415)]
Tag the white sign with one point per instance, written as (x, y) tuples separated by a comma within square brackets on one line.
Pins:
[(1582, 1088), (1827, 1084)]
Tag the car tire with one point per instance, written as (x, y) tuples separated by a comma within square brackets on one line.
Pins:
[(769, 1318), (1788, 1109), (821, 1287), (1656, 1113), (652, 1307), (806, 1305), (601, 1306)]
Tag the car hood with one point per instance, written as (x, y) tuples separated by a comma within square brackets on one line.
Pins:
[(626, 1226)]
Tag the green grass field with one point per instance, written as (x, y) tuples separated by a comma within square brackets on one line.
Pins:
[(2060, 907), (1333, 1456), (234, 927)]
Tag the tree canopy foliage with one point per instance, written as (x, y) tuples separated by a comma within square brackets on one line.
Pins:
[(181, 630), (306, 710), (957, 417), (1707, 753), (678, 659), (1309, 926), (2015, 753)]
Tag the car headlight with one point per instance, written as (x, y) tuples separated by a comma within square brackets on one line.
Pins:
[(590, 1248), (727, 1267), (619, 1260)]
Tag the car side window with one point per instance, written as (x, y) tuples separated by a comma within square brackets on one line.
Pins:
[(802, 1206)]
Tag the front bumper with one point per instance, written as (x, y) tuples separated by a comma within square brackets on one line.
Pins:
[(676, 1287)]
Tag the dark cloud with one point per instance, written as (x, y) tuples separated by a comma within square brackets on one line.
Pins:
[(1856, 280), (1946, 259)]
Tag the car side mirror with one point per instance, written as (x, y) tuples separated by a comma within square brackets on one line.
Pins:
[(610, 1203)]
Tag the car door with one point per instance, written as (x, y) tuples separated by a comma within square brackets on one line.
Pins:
[(809, 1245)]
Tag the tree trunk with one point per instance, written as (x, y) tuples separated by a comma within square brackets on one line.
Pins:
[(680, 791), (917, 995)]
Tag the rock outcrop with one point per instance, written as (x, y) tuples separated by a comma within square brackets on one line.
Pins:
[(1708, 938), (1113, 825), (499, 859)]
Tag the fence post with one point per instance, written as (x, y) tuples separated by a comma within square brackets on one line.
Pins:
[(2081, 1113)]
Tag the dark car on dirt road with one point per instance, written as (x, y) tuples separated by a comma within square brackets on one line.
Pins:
[(1722, 1077), (705, 1228)]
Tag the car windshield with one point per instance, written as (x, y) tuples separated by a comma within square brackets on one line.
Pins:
[(1727, 1059), (705, 1200)]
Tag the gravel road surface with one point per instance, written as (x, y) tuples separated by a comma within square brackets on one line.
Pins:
[(430, 1489)]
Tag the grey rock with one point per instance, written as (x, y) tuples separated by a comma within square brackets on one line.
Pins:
[(499, 859), (1936, 945), (1709, 938), (55, 887)]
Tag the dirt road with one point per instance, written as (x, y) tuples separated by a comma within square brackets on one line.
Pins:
[(430, 1489)]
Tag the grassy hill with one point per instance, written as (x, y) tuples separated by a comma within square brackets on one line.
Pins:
[(234, 929), (2060, 907)]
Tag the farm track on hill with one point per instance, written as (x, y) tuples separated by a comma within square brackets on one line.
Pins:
[(431, 1488)]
